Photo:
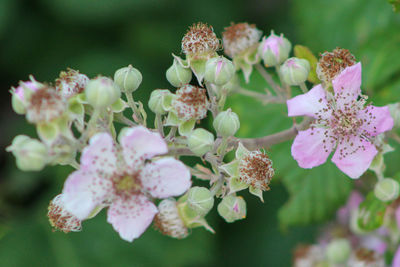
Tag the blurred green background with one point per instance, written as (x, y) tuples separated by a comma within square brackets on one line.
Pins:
[(43, 37)]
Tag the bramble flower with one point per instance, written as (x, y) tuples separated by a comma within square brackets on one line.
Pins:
[(240, 41), (200, 40), (342, 121), (119, 177), (60, 218), (250, 169), (71, 83)]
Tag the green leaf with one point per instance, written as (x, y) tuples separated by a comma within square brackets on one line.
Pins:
[(304, 52), (395, 4), (371, 213)]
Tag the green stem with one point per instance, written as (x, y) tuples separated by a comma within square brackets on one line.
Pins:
[(159, 124), (138, 117), (304, 87)]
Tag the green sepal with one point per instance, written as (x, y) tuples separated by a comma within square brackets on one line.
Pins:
[(257, 192), (47, 132), (241, 152), (231, 168), (173, 120), (199, 68), (371, 213), (235, 185), (304, 52), (119, 106), (185, 128)]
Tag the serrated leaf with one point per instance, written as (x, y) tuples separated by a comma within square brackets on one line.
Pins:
[(371, 213), (304, 52)]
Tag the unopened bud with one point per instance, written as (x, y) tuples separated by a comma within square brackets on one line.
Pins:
[(30, 154), (177, 75), (232, 208), (201, 141), (101, 92), (274, 50), (128, 79), (160, 101), (387, 189), (295, 71), (19, 99), (338, 250), (60, 218), (219, 70), (168, 220), (200, 200), (226, 123)]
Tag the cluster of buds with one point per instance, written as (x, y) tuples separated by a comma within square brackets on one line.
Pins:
[(124, 172)]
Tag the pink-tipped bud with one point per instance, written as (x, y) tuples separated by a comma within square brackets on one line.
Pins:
[(274, 50)]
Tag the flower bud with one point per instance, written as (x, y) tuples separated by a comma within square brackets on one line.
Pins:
[(190, 103), (338, 250), (177, 75), (226, 123), (201, 141), (274, 50), (71, 83), (295, 71), (21, 94), (160, 101), (101, 92), (30, 154), (200, 200), (232, 208), (387, 189), (128, 79), (168, 220), (60, 218), (219, 70)]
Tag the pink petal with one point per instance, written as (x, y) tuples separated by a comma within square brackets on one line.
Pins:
[(100, 155), (165, 178), (310, 104), (347, 85), (354, 155), (376, 120), (312, 147), (83, 191), (139, 144), (131, 216)]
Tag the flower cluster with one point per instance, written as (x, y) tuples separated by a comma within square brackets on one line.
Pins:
[(137, 175)]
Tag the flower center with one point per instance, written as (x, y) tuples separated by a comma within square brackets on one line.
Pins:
[(127, 185), (256, 170), (345, 123)]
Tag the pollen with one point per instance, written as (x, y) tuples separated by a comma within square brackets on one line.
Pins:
[(200, 39), (239, 37), (332, 63), (256, 170), (127, 185), (191, 102), (60, 218)]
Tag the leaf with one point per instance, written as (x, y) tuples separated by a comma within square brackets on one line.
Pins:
[(371, 213), (395, 4), (304, 52)]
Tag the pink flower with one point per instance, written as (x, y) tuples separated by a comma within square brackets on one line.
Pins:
[(118, 177), (342, 121)]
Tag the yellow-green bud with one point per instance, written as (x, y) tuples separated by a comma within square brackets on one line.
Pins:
[(200, 200), (226, 123), (219, 70), (160, 101), (201, 141), (177, 75), (338, 250), (128, 79), (30, 154), (387, 189), (232, 208), (101, 92), (295, 71)]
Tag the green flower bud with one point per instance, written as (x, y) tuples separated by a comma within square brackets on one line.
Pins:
[(387, 189), (30, 154), (177, 75), (200, 142), (226, 123), (160, 101), (102, 92), (219, 70), (17, 104), (200, 200), (128, 79), (338, 250), (295, 71), (274, 50), (232, 208)]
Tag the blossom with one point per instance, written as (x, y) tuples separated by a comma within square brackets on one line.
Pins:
[(121, 179), (342, 121), (239, 37)]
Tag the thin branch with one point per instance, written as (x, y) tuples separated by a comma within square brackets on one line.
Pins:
[(268, 78), (264, 98)]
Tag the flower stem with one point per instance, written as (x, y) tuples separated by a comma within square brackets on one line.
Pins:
[(304, 87), (137, 116)]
